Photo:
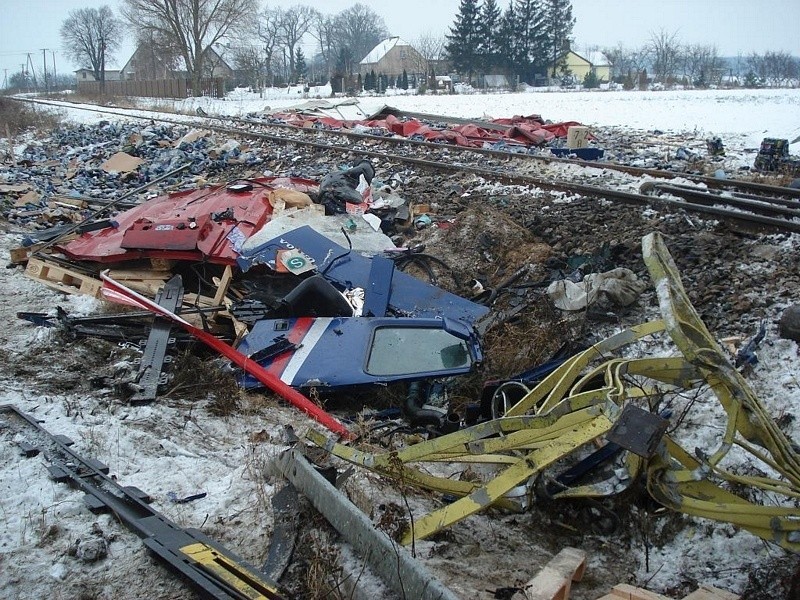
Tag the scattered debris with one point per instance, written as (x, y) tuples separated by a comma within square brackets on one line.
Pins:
[(715, 146), (299, 302), (516, 134), (573, 408), (620, 287), (121, 163)]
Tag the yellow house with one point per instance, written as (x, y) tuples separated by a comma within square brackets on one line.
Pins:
[(579, 65)]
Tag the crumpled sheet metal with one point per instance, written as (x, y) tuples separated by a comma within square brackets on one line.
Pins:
[(567, 411)]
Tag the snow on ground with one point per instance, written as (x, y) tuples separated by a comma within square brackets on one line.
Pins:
[(170, 448)]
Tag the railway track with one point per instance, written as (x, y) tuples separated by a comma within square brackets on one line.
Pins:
[(749, 204)]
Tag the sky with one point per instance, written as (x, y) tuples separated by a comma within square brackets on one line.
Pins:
[(734, 26)]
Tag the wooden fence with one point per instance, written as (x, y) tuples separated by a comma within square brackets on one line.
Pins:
[(154, 88)]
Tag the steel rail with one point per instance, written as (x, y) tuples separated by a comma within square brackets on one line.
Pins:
[(709, 198), (789, 203), (713, 182), (750, 219)]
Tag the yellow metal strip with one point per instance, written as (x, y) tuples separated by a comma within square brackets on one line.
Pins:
[(507, 480), (250, 584)]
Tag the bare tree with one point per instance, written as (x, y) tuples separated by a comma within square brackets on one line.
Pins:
[(267, 30), (758, 67), (780, 68), (248, 59), (431, 47), (702, 65), (91, 36), (625, 61), (255, 50), (360, 29), (295, 24), (347, 37), (324, 31), (665, 54), (193, 25)]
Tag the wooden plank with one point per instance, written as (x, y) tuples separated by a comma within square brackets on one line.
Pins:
[(147, 287), (21, 255), (553, 581), (222, 286), (162, 264), (195, 300), (707, 592), (238, 327), (139, 275), (629, 592), (67, 201)]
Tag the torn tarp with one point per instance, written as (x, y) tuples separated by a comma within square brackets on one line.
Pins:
[(517, 131)]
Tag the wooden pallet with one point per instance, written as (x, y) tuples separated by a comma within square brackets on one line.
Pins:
[(63, 279), (70, 281)]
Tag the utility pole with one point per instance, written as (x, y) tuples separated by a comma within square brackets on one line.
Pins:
[(29, 63), (44, 64), (5, 78), (53, 52)]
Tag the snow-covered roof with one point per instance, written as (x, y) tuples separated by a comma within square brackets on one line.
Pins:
[(379, 51), (598, 59)]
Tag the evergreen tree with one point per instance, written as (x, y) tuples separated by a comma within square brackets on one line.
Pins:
[(404, 81), (462, 41), (533, 52), (558, 27), (300, 66), (370, 85), (359, 83), (490, 41), (590, 80), (510, 54)]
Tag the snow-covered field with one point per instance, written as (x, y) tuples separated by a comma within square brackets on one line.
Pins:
[(742, 118), (172, 448)]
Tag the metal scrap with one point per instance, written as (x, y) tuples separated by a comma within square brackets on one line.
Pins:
[(567, 411)]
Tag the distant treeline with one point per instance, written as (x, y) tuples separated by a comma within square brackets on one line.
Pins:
[(664, 59)]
